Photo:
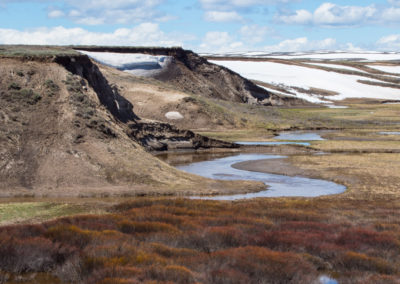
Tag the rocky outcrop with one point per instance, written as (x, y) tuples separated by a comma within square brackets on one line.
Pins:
[(192, 73), (157, 136), (82, 66)]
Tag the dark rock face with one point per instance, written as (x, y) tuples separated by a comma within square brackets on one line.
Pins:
[(120, 108), (157, 136), (192, 73)]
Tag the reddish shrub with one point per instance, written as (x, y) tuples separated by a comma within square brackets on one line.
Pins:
[(309, 227), (264, 266), (224, 237), (146, 214), (285, 240), (359, 238), (71, 235), (285, 215), (227, 276), (174, 273), (32, 254), (26, 231), (382, 279), (119, 281), (359, 261), (130, 227), (169, 252)]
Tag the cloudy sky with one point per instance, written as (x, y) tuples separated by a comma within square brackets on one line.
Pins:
[(206, 25)]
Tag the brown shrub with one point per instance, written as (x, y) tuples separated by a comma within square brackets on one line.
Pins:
[(26, 231), (173, 273), (263, 265), (381, 279), (119, 281), (70, 271), (71, 235), (224, 237), (359, 238), (228, 276), (131, 227), (32, 254), (358, 261), (169, 252)]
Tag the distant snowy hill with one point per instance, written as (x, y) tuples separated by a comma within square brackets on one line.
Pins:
[(320, 77)]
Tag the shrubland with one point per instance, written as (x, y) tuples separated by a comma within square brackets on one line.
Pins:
[(195, 241)]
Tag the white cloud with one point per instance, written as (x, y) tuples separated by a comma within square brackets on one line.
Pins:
[(56, 14), (302, 44), (219, 42), (254, 34), (229, 4), (221, 16), (92, 12), (391, 14), (390, 42), (351, 47), (330, 14), (298, 17), (394, 2), (146, 34)]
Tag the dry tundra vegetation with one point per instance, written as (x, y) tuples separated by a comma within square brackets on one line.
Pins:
[(353, 237)]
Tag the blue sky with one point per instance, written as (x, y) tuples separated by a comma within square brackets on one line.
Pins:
[(205, 25)]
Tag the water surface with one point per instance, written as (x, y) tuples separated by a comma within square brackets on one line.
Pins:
[(279, 185), (299, 136), (390, 132), (273, 143)]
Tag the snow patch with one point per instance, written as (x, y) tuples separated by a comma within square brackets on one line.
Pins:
[(337, 66), (307, 97), (347, 86), (135, 63), (326, 55), (335, 106), (174, 115), (387, 69)]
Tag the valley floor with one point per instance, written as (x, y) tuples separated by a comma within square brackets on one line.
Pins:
[(352, 237)]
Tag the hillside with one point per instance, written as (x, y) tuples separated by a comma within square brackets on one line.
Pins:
[(192, 74), (65, 131)]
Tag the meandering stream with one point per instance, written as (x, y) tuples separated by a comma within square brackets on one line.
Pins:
[(279, 185)]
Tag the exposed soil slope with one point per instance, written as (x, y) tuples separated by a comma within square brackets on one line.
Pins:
[(193, 74), (65, 131), (153, 100)]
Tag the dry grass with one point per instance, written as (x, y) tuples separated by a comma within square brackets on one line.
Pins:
[(371, 174), (357, 146)]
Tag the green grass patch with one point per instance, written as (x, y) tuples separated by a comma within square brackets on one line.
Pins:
[(27, 212), (35, 51)]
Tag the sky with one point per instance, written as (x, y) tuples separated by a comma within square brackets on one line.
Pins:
[(213, 26)]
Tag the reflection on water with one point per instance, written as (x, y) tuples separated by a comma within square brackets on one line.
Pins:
[(279, 185), (327, 280), (184, 158), (299, 135), (272, 143), (335, 106)]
